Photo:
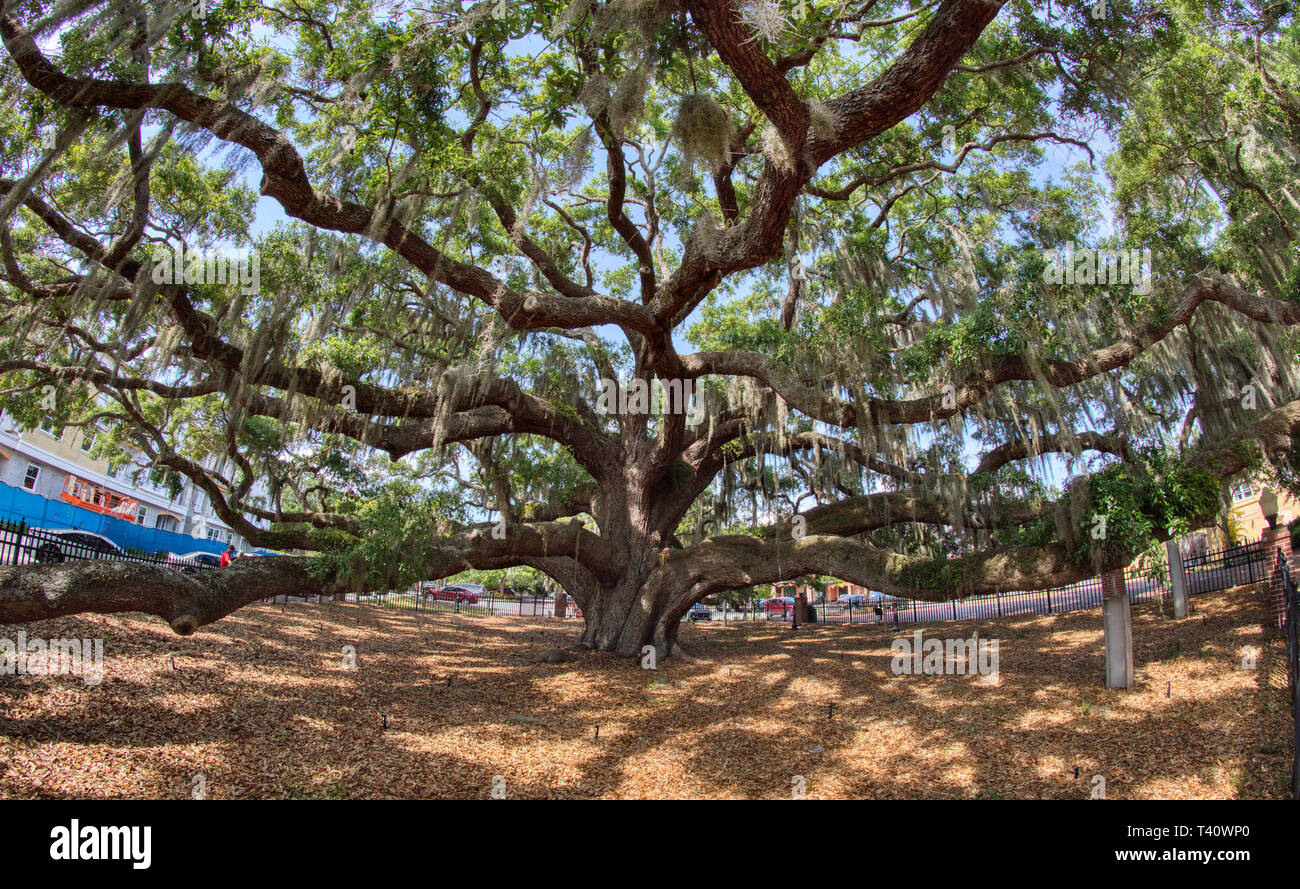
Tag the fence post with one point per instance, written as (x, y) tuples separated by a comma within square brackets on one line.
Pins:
[(915, 619), (1277, 541), (1117, 621), (1293, 671), (999, 604), (1177, 577)]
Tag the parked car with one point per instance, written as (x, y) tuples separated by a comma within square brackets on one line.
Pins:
[(456, 594), (700, 611), (193, 563), (779, 605), (49, 545), (464, 594), (857, 600)]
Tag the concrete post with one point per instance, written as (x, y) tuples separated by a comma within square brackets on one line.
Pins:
[(1117, 619), (1177, 577)]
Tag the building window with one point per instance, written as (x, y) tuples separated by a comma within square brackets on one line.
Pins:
[(88, 440), (164, 522), (29, 480), (1242, 491), (214, 534), (141, 515), (50, 428)]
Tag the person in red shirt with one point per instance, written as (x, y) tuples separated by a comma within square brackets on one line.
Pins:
[(227, 555)]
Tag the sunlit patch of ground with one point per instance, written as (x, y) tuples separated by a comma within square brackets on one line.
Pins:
[(261, 704)]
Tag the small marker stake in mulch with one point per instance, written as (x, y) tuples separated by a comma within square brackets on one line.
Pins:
[(385, 715), (1169, 689), (830, 711), (173, 662), (1076, 773), (597, 731), (449, 682)]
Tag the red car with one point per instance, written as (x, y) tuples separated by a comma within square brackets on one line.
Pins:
[(451, 594), (780, 605)]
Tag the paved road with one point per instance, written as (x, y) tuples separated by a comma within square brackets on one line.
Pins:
[(501, 607), (1076, 597)]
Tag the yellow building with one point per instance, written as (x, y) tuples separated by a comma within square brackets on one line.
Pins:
[(1247, 519)]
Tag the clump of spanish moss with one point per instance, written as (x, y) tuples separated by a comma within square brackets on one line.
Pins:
[(594, 93), (646, 15), (776, 149), (706, 230), (824, 123), (626, 104), (639, 23), (703, 128), (569, 17)]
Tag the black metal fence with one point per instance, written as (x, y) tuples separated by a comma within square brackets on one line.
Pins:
[(1231, 566), (418, 598), (1292, 603), (24, 545), (1144, 585)]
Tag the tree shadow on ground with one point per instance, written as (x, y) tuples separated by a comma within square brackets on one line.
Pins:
[(263, 704)]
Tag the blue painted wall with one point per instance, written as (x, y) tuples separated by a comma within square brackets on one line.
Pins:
[(42, 512)]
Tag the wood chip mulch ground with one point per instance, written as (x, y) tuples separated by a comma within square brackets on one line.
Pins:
[(263, 705)]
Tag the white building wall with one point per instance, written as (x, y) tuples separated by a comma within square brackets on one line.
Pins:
[(57, 458)]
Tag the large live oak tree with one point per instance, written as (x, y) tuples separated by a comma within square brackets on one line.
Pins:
[(841, 207)]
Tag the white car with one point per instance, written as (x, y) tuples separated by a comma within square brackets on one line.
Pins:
[(192, 563), (50, 545)]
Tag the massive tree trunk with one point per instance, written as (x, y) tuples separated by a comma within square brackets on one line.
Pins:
[(629, 615), (636, 603)]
